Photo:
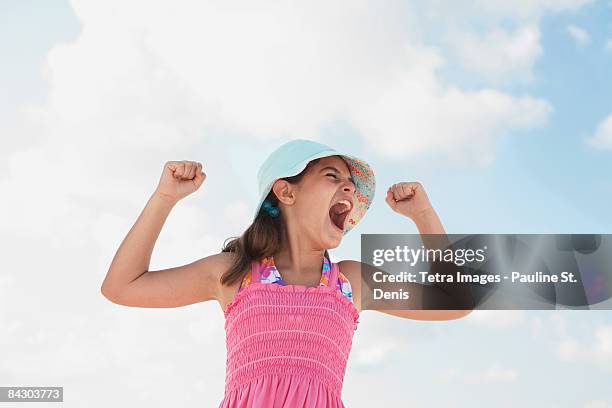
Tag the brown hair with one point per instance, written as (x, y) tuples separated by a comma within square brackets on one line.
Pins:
[(261, 239)]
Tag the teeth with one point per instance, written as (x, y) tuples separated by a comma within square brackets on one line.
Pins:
[(347, 206), (338, 212)]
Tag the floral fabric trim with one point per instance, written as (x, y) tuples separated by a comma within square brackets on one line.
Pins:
[(270, 274)]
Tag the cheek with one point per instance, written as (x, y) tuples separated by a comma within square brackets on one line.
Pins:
[(314, 202), (314, 209)]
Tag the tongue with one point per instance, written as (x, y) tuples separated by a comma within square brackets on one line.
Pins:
[(337, 219)]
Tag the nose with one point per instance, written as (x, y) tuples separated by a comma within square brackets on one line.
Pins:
[(349, 187)]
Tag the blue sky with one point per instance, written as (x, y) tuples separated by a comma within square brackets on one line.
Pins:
[(108, 91)]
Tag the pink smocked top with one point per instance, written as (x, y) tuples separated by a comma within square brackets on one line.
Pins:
[(288, 345)]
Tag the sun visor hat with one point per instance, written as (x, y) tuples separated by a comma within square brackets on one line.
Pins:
[(290, 158)]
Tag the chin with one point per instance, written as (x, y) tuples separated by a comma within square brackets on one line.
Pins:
[(332, 237), (332, 234), (332, 243)]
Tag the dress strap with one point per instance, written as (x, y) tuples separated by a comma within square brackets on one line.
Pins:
[(255, 268), (333, 276)]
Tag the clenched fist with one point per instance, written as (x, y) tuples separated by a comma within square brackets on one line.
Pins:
[(408, 198), (180, 178)]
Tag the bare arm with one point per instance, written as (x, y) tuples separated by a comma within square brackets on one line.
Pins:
[(129, 281), (409, 199), (134, 254)]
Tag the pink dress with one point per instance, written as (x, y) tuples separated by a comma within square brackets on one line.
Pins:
[(287, 345)]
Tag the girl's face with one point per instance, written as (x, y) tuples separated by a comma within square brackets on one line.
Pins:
[(321, 202)]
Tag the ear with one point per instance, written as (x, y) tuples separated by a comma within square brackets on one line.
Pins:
[(284, 191)]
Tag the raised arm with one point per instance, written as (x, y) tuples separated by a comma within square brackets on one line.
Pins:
[(129, 282), (410, 200)]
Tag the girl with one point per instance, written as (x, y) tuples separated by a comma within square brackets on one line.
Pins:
[(290, 312)]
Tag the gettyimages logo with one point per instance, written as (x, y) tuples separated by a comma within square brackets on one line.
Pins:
[(411, 256)]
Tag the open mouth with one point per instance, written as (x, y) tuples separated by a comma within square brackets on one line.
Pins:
[(338, 213)]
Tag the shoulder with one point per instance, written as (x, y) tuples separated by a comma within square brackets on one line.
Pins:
[(227, 291), (350, 269), (342, 277), (220, 263)]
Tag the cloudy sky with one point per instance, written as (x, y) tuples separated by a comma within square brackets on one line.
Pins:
[(501, 109)]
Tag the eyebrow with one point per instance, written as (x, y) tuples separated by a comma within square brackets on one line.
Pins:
[(336, 170)]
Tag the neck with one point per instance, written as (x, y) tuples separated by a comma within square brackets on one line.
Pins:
[(298, 259)]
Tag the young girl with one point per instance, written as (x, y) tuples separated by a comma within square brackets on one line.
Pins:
[(290, 312)]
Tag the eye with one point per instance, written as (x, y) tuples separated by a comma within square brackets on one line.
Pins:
[(332, 174)]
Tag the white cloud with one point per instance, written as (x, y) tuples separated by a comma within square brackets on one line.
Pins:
[(238, 214), (420, 116), (375, 354), (496, 373), (602, 139), (598, 404), (379, 344), (595, 349), (162, 77), (527, 9), (579, 35), (498, 40), (569, 349), (493, 11), (608, 45), (497, 318), (602, 345), (499, 54), (536, 325), (449, 374)]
